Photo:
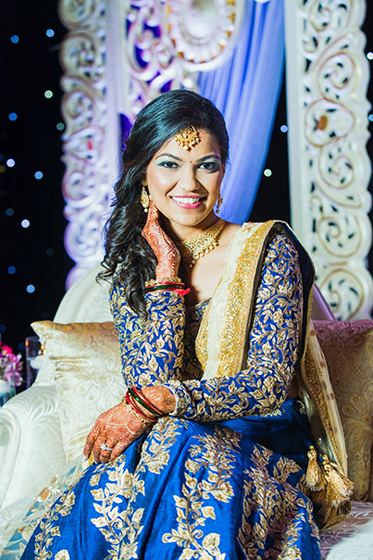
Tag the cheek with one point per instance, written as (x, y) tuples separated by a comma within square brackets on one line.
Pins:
[(158, 183)]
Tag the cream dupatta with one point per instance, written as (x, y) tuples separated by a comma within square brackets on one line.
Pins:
[(221, 347)]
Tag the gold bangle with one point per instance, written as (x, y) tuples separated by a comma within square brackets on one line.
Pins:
[(166, 280), (134, 413)]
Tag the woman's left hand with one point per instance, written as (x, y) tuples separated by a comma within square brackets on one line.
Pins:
[(116, 428)]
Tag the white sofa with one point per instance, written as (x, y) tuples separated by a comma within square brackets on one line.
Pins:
[(32, 446)]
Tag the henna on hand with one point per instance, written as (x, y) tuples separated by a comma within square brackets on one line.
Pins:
[(160, 397), (164, 248), (117, 428)]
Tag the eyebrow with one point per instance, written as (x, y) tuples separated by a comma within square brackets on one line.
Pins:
[(215, 156)]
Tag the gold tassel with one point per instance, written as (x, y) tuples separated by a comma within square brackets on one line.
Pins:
[(315, 479), (331, 490), (338, 487)]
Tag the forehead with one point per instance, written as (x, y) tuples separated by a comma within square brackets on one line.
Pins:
[(207, 145)]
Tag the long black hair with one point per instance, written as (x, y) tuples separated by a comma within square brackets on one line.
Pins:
[(128, 257)]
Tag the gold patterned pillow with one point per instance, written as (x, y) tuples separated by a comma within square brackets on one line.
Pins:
[(87, 362), (348, 349)]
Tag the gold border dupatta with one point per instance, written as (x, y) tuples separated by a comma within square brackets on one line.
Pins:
[(221, 347)]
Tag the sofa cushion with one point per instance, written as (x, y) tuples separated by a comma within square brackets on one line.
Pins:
[(87, 363), (348, 349)]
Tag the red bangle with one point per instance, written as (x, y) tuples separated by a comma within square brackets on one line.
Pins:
[(183, 292), (164, 287), (146, 401), (131, 403)]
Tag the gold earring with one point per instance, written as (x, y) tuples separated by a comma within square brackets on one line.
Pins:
[(220, 202), (145, 199)]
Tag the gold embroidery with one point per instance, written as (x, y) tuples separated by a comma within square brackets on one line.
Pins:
[(122, 530), (241, 298), (62, 555), (152, 351), (44, 539), (216, 455), (280, 513)]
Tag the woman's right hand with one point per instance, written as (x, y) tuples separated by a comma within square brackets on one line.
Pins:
[(116, 429), (164, 248)]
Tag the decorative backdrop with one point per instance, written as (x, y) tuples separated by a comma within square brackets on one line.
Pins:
[(330, 169)]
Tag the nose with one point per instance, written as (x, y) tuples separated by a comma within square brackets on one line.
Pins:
[(188, 180)]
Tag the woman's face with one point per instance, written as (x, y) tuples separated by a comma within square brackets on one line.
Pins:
[(185, 185)]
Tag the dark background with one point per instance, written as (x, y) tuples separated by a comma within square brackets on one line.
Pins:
[(27, 69)]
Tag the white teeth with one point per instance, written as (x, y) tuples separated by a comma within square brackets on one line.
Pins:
[(186, 200)]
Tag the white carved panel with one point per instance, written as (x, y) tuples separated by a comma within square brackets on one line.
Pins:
[(90, 140), (327, 76)]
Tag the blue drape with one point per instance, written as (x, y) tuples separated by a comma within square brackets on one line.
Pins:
[(246, 90)]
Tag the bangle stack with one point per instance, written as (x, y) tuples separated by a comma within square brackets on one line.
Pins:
[(128, 401), (171, 284), (135, 393)]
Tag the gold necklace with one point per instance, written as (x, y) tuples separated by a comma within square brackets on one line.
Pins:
[(199, 245)]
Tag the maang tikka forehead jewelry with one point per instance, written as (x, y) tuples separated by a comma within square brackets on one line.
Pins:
[(188, 137)]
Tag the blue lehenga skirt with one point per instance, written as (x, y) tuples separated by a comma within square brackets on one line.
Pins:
[(220, 490)]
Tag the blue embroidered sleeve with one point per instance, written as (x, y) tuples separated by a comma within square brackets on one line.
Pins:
[(152, 351), (272, 351)]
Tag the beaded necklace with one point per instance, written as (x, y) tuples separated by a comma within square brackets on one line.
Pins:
[(200, 244)]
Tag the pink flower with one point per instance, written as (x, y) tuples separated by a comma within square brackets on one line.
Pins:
[(10, 366)]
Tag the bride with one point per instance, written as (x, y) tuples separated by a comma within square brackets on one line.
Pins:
[(206, 455)]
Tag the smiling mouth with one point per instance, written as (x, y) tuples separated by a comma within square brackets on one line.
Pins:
[(188, 200)]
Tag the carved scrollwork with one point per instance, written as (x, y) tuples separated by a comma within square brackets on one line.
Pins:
[(201, 31), (337, 74), (335, 166), (344, 288), (326, 121), (79, 188), (322, 19), (170, 41), (75, 12), (340, 235), (78, 106), (82, 55)]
